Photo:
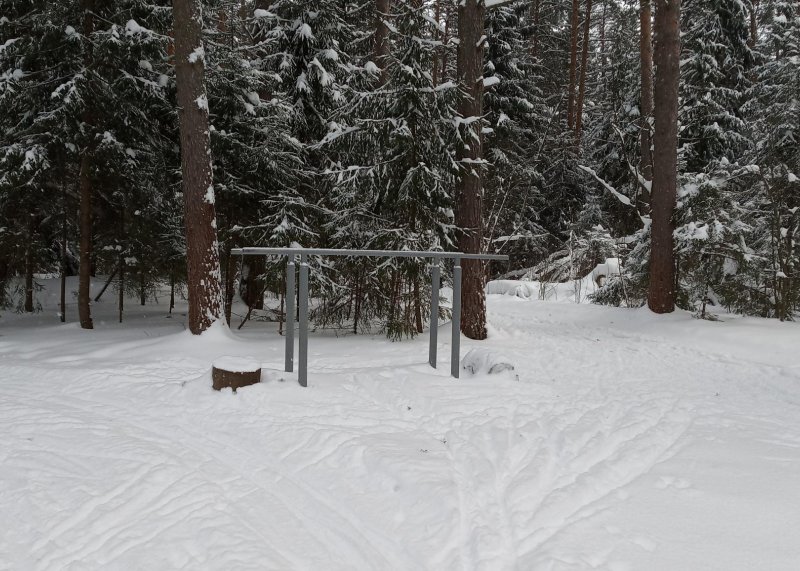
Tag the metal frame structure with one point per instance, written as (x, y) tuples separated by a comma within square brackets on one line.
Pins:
[(292, 254)]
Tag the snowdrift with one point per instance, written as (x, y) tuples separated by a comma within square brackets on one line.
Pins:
[(575, 291)]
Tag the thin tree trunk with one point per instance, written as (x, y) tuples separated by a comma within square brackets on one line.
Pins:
[(662, 291), (573, 64), (121, 266), (171, 290), (418, 306), (646, 111), (63, 296), (202, 254), (382, 46), (86, 191), (536, 8), (230, 278), (448, 14), (469, 191), (142, 286), (437, 15), (105, 285), (393, 296), (254, 293), (85, 269), (29, 272), (603, 61), (121, 290), (751, 40), (587, 23)]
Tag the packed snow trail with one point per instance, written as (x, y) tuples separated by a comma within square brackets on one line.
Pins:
[(628, 442)]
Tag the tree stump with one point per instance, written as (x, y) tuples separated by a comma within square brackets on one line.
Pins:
[(235, 372)]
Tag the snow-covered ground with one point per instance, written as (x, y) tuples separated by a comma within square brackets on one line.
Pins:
[(628, 442)]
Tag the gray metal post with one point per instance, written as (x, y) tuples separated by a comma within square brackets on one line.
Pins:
[(303, 302), (434, 333), (290, 293), (455, 355)]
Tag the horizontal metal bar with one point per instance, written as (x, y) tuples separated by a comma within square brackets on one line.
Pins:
[(363, 253)]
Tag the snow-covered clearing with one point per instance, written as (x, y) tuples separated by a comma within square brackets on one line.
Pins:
[(629, 442)]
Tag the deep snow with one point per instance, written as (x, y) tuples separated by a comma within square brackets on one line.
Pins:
[(629, 442)]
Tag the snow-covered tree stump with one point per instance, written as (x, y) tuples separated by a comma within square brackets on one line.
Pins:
[(235, 372)]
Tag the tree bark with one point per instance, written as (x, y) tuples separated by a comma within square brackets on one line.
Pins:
[(469, 191), (121, 266), (646, 110), (230, 278), (661, 294), (63, 292), (105, 285), (535, 17), (573, 64), (603, 59), (256, 286), (171, 290), (382, 46), (202, 249), (142, 286), (30, 266), (437, 16), (29, 275), (587, 23), (121, 292), (751, 40), (85, 256), (85, 217), (418, 306), (448, 14)]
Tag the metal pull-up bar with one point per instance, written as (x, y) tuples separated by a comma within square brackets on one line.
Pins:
[(304, 253)]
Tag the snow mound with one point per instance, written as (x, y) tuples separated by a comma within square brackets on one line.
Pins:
[(482, 361), (517, 288), (571, 291)]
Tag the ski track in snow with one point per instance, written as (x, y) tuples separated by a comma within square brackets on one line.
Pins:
[(120, 456), (522, 467)]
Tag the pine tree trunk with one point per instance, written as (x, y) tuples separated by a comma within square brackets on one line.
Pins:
[(105, 285), (29, 272), (418, 306), (382, 46), (751, 40), (357, 302), (85, 217), (230, 278), (85, 256), (121, 292), (171, 290), (202, 254), (437, 15), (254, 295), (536, 8), (646, 111), (573, 64), (603, 59), (63, 293), (661, 295), (448, 14), (469, 191), (142, 287), (587, 23), (121, 266)]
